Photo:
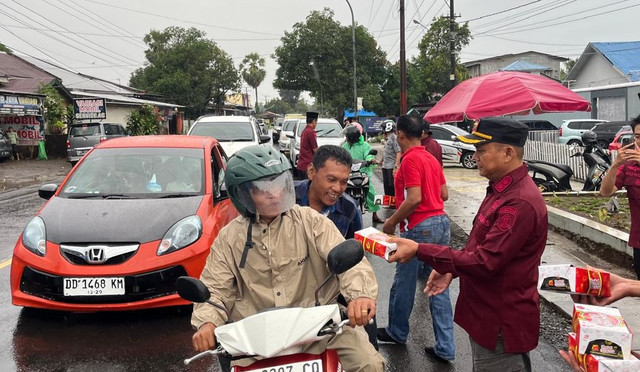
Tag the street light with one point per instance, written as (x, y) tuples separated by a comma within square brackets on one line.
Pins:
[(353, 42), (418, 23)]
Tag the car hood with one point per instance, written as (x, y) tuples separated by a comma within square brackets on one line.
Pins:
[(230, 148), (330, 141), (114, 220)]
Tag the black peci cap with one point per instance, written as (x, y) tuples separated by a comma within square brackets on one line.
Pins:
[(499, 130), (312, 115)]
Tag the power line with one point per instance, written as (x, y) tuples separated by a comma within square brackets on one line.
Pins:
[(502, 11), (524, 14), (25, 41), (182, 20), (388, 15), (528, 17)]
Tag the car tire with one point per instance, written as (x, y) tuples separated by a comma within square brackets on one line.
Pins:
[(467, 161), (574, 143)]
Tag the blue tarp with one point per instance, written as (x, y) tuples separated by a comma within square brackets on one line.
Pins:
[(349, 113)]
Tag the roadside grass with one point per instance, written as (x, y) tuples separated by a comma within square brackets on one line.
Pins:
[(594, 208)]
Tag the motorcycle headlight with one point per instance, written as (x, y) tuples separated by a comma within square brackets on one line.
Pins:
[(34, 237), (181, 234)]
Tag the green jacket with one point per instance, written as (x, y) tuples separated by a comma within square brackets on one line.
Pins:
[(360, 151)]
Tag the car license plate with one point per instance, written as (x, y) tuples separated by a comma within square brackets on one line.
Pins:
[(93, 286), (308, 366), (81, 152)]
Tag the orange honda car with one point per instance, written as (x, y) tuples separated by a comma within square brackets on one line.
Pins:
[(130, 218)]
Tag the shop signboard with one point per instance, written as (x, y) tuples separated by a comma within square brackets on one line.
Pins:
[(373, 124), (24, 115), (89, 108)]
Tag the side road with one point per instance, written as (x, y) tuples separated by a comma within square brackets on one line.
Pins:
[(15, 175)]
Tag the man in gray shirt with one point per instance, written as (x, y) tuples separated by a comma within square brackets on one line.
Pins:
[(392, 154)]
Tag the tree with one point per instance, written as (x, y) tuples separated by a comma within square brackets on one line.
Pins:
[(253, 72), (567, 68), (432, 64), (186, 68), (4, 48), (144, 121), (316, 56), (289, 96), (55, 109)]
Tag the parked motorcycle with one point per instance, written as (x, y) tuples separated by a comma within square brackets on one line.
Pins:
[(358, 183), (550, 177), (597, 159), (276, 336)]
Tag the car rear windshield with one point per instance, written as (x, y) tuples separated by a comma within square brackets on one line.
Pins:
[(225, 132), (83, 130), (327, 130), (137, 173)]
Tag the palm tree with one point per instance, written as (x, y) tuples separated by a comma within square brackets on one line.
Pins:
[(253, 72)]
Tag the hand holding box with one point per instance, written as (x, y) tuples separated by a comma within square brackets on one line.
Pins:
[(376, 242)]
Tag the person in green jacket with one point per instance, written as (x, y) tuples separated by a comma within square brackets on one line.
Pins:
[(359, 150)]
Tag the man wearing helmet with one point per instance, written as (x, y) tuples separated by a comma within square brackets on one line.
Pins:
[(274, 254), (359, 150), (392, 156)]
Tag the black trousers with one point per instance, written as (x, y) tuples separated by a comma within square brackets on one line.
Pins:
[(636, 261), (387, 182)]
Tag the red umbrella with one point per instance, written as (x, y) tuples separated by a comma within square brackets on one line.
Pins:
[(505, 93)]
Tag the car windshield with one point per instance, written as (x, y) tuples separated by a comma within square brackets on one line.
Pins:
[(137, 173), (225, 131), (456, 130), (324, 129), (92, 129)]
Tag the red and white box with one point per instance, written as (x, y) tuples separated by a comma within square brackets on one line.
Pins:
[(376, 242), (595, 363), (574, 280), (387, 200), (601, 331)]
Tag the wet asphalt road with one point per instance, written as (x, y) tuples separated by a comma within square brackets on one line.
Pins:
[(38, 340)]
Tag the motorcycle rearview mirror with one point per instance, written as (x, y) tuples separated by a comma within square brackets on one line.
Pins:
[(192, 289), (373, 152), (341, 258), (345, 256)]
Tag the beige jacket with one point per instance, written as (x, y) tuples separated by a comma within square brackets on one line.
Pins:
[(284, 268)]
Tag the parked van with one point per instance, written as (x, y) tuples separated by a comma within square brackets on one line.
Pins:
[(83, 136)]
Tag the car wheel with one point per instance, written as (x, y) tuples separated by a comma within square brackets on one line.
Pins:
[(574, 143), (467, 161)]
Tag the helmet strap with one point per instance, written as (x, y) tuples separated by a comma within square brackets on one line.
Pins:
[(248, 244)]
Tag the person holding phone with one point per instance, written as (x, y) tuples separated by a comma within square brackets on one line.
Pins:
[(625, 172)]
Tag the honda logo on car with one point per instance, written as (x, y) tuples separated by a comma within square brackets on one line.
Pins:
[(95, 256)]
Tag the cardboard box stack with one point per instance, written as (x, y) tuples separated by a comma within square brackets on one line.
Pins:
[(574, 280), (376, 242), (601, 340)]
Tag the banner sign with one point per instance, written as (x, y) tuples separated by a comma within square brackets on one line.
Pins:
[(18, 105), (373, 124), (89, 108), (30, 129)]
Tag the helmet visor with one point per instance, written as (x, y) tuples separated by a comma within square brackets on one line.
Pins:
[(269, 196)]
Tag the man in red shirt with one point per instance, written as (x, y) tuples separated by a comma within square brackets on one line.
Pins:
[(498, 304), (625, 172), (420, 193), (431, 145), (308, 145)]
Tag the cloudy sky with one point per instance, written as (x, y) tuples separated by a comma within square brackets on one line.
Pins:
[(103, 38)]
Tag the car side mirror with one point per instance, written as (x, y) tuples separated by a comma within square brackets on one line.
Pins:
[(290, 136), (47, 191), (454, 138), (264, 139)]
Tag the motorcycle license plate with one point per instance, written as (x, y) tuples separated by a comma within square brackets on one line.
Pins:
[(307, 366), (93, 286)]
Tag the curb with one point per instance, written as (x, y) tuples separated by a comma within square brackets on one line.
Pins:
[(589, 229)]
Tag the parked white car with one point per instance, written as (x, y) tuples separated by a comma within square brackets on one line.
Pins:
[(233, 132), (329, 132), (453, 151), (287, 131)]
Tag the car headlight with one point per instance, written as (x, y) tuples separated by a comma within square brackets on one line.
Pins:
[(34, 237), (181, 234)]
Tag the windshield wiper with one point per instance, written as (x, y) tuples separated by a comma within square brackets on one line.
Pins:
[(117, 196), (327, 132), (169, 196)]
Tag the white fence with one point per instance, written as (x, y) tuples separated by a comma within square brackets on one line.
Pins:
[(544, 147)]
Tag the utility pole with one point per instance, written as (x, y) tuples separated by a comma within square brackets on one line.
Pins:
[(452, 43), (403, 64), (353, 42)]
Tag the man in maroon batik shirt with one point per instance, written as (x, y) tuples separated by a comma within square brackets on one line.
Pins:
[(625, 172), (431, 145), (498, 304), (308, 145)]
